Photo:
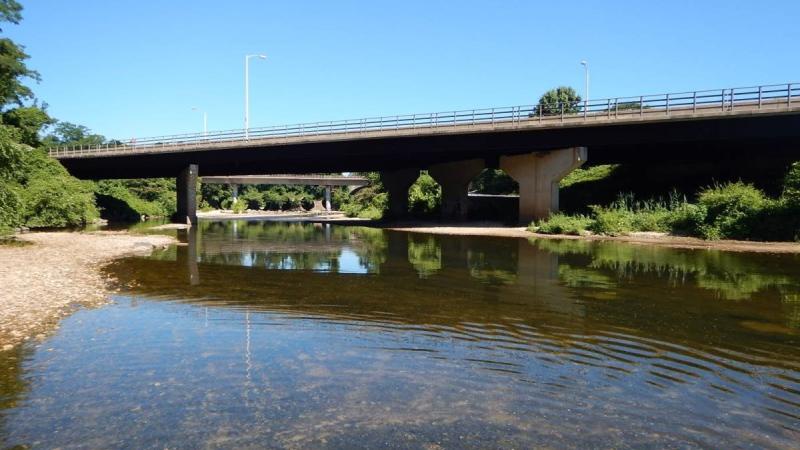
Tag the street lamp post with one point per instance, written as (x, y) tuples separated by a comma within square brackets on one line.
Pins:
[(247, 92), (205, 120), (585, 65)]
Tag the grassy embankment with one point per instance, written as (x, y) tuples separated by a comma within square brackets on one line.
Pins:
[(764, 207)]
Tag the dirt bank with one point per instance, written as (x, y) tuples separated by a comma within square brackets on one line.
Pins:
[(57, 272), (660, 239)]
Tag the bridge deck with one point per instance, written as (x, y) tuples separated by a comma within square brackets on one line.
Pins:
[(738, 102)]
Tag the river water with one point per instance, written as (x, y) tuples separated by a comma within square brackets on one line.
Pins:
[(289, 335)]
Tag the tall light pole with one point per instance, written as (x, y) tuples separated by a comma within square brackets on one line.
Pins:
[(585, 65), (247, 92), (205, 120)]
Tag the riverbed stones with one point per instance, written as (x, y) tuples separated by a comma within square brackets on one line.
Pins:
[(43, 282)]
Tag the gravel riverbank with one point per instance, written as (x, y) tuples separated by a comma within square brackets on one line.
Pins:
[(57, 272)]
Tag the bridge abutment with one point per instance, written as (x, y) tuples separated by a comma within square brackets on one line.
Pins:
[(186, 187), (538, 175), (454, 178), (397, 184)]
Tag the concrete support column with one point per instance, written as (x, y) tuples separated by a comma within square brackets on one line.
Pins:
[(396, 184), (186, 191), (538, 175), (327, 198), (454, 178)]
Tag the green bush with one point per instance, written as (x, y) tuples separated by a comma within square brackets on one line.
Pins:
[(239, 206), (253, 199), (687, 219), (307, 202), (291, 202), (731, 209), (58, 202), (117, 202), (791, 186), (274, 201), (560, 223), (591, 173), (10, 207), (611, 221), (425, 195)]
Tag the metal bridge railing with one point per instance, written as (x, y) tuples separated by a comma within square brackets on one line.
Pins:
[(777, 96)]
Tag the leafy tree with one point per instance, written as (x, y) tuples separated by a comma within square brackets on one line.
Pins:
[(552, 101), (791, 185), (66, 133), (12, 71), (10, 11), (29, 121), (425, 195), (494, 182)]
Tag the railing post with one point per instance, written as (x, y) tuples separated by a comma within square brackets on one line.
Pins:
[(540, 113), (616, 108), (454, 118), (585, 109), (608, 108), (789, 95), (641, 106), (492, 116), (722, 100), (759, 97), (473, 117), (694, 102), (562, 112), (667, 104), (732, 98)]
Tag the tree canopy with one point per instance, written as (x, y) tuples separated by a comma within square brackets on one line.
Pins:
[(552, 101)]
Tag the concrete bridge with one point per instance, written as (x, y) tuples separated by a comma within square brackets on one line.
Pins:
[(326, 181), (537, 146)]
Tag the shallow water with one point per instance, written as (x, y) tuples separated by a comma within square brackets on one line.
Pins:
[(267, 334)]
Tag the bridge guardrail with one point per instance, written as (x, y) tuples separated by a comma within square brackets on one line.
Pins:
[(777, 96)]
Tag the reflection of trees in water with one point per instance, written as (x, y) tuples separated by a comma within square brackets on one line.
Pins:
[(285, 245), (492, 267), (732, 276), (425, 254), (13, 384)]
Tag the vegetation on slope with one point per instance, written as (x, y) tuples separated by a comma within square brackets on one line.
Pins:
[(730, 210)]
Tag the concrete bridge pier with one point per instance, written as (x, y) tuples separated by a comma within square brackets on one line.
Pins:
[(234, 192), (538, 175), (187, 195), (327, 198), (454, 178), (397, 184)]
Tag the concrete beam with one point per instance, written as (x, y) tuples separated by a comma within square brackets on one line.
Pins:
[(455, 178), (538, 175), (298, 180), (186, 185), (396, 184)]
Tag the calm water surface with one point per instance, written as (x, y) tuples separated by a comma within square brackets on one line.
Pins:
[(294, 335)]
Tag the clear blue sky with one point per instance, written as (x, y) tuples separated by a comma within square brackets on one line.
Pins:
[(128, 68)]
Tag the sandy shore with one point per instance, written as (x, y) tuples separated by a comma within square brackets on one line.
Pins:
[(57, 272), (659, 239)]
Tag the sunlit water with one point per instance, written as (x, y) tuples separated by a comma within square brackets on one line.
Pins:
[(313, 336)]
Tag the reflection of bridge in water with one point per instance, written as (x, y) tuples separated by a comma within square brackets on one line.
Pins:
[(509, 291)]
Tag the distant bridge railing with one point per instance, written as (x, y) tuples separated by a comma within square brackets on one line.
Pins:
[(773, 97)]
